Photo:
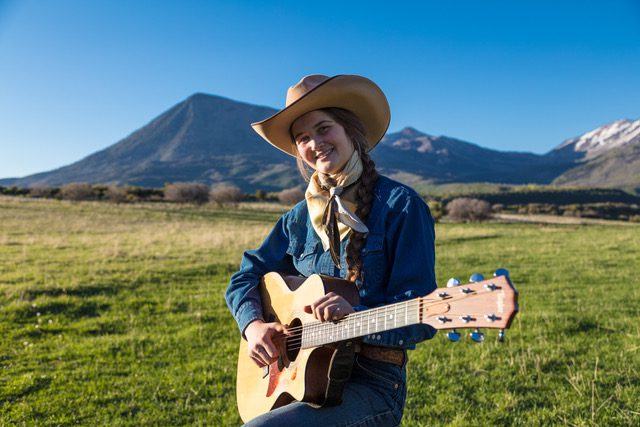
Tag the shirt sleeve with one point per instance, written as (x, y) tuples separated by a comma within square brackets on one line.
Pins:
[(242, 295), (410, 246)]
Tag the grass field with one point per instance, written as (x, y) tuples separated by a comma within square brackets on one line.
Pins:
[(114, 315)]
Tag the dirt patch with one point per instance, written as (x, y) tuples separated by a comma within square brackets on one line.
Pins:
[(553, 219)]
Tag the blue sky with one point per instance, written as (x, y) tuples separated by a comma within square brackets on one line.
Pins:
[(78, 75)]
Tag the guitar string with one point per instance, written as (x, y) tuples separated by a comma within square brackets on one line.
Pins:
[(393, 307), (335, 328), (296, 335), (294, 340), (376, 316), (380, 313), (313, 326), (296, 343)]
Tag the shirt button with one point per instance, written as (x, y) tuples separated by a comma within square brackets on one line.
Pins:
[(401, 342)]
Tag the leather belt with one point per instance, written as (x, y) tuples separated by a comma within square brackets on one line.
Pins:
[(382, 354)]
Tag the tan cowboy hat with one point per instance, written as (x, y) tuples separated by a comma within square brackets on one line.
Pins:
[(357, 94)]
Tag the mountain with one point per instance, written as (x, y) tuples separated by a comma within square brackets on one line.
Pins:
[(440, 159), (207, 138), (600, 140), (608, 156)]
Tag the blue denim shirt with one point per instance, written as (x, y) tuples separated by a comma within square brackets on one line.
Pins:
[(398, 257)]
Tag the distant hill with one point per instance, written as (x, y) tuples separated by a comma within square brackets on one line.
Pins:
[(207, 138)]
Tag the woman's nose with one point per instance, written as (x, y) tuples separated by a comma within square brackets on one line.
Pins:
[(316, 142)]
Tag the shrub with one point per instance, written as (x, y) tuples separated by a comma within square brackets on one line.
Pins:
[(116, 194), (435, 206), (77, 191), (135, 194), (14, 191), (225, 194), (290, 196), (41, 191), (186, 192), (467, 209)]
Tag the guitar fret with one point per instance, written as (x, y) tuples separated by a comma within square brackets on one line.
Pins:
[(385, 318), (368, 322)]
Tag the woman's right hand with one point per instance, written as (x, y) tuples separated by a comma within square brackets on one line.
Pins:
[(264, 341)]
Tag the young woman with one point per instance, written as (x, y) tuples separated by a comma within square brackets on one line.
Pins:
[(353, 224)]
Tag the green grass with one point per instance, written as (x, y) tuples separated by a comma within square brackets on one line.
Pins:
[(115, 315)]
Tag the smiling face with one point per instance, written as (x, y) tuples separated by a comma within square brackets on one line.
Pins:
[(322, 142)]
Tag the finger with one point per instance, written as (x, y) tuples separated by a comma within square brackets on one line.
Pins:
[(322, 300), (255, 356), (258, 361), (331, 296), (326, 308), (319, 311), (282, 329), (334, 312), (262, 353), (268, 349), (319, 307), (327, 312)]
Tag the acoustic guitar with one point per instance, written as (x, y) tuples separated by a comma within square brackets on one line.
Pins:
[(309, 366)]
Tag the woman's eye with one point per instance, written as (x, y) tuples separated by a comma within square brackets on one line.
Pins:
[(323, 129), (302, 139)]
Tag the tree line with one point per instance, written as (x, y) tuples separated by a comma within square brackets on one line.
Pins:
[(586, 203), (178, 192)]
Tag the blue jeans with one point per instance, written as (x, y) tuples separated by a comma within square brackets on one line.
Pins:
[(374, 396)]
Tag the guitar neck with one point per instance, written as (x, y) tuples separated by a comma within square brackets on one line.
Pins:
[(489, 303), (362, 323)]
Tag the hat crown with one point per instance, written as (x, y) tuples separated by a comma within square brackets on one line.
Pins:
[(304, 86)]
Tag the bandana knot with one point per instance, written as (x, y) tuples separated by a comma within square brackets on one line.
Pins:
[(332, 216)]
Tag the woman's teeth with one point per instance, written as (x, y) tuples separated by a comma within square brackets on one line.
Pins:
[(323, 153)]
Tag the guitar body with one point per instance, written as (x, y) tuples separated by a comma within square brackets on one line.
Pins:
[(301, 375)]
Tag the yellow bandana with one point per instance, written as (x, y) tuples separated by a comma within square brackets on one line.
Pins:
[(324, 200)]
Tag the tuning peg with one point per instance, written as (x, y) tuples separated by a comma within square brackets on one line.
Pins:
[(501, 335), (476, 277), (453, 335), (453, 282), (477, 336), (501, 272)]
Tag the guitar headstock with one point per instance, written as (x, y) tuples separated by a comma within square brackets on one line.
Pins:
[(491, 303)]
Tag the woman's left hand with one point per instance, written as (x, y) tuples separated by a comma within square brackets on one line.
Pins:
[(329, 307)]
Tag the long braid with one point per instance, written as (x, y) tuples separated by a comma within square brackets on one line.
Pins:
[(364, 200)]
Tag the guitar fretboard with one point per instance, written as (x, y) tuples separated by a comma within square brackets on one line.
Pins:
[(362, 323)]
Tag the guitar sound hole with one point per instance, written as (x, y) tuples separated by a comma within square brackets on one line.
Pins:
[(294, 341)]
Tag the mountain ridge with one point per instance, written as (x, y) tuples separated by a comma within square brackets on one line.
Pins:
[(207, 138)]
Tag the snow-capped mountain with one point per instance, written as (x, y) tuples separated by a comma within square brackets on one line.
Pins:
[(603, 139)]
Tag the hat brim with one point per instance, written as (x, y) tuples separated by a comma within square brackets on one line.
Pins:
[(357, 94)]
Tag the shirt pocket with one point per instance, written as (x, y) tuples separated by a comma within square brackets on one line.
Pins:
[(375, 264), (303, 255)]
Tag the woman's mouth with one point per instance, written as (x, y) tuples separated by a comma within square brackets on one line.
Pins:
[(323, 154)]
